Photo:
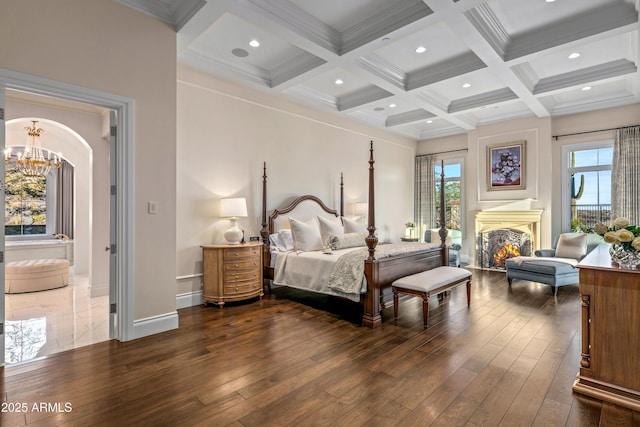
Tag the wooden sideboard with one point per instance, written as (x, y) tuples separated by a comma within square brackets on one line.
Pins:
[(610, 362), (231, 272)]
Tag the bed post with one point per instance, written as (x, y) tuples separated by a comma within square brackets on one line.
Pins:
[(341, 195), (371, 317), (443, 226), (264, 233)]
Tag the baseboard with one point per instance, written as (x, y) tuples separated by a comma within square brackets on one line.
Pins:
[(155, 325), (188, 299), (99, 290)]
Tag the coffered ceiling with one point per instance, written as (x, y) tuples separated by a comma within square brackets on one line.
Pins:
[(478, 62)]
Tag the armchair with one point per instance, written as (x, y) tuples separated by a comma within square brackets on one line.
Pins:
[(453, 240), (557, 266)]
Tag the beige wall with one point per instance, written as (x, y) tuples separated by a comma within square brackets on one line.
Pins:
[(543, 188), (226, 132), (105, 46)]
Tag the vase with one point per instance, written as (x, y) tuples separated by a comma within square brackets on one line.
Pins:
[(627, 259)]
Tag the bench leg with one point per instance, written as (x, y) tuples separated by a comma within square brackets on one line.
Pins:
[(469, 293), (395, 303), (425, 310)]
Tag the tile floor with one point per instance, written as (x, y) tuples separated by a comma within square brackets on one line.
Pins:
[(42, 323)]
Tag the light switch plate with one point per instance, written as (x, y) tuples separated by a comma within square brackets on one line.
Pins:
[(152, 207)]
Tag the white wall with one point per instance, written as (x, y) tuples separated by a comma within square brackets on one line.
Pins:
[(109, 47), (544, 168), (226, 132)]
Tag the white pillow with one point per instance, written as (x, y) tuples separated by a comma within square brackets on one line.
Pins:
[(571, 247), (330, 227), (351, 226), (286, 237), (281, 241), (306, 235)]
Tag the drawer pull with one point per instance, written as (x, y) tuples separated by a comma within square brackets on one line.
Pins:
[(236, 265), (236, 289)]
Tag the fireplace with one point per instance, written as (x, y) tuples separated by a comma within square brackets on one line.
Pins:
[(501, 235)]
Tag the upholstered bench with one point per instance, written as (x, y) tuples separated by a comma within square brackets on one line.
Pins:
[(430, 282), (36, 275)]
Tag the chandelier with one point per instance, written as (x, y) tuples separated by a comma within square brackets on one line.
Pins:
[(32, 161)]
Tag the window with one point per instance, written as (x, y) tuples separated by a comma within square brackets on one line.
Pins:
[(452, 193), (25, 204), (588, 187)]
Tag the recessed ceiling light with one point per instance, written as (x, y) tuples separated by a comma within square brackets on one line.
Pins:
[(429, 121), (586, 88), (574, 55), (549, 1), (466, 85), (338, 81), (421, 49), (254, 43), (392, 105)]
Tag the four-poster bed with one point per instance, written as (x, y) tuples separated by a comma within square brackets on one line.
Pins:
[(393, 260)]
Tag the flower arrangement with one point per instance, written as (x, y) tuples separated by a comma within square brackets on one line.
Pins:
[(625, 242), (622, 233), (410, 224), (506, 164)]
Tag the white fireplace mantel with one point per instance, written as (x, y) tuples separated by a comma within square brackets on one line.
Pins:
[(526, 221)]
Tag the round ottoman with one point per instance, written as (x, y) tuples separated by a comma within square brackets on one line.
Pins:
[(36, 275)]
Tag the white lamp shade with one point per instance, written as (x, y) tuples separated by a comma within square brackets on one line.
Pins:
[(234, 207)]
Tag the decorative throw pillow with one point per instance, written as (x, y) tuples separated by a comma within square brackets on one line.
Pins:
[(306, 235), (571, 246), (330, 227), (351, 226), (348, 240)]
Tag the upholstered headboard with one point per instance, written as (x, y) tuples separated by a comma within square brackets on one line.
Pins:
[(302, 208)]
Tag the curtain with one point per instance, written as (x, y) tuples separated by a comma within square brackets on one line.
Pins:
[(625, 175), (425, 194), (64, 199)]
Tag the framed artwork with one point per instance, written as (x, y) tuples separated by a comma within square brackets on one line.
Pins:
[(506, 166)]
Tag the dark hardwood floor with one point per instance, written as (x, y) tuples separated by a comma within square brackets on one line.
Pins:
[(296, 359)]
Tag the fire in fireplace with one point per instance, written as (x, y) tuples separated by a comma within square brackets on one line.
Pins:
[(496, 246)]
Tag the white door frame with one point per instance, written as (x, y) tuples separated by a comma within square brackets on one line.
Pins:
[(125, 243)]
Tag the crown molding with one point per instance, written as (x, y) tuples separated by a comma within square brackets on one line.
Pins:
[(586, 75), (614, 100), (305, 93), (595, 21), (297, 20), (211, 65), (384, 69), (174, 12), (440, 133), (408, 117), (488, 25), (444, 70), (397, 15), (293, 68), (364, 96), (487, 98)]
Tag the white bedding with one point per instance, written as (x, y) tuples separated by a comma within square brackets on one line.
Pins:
[(310, 271)]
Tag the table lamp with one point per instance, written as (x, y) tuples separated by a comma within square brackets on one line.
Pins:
[(232, 209)]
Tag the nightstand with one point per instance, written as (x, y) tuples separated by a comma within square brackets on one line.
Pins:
[(231, 272)]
